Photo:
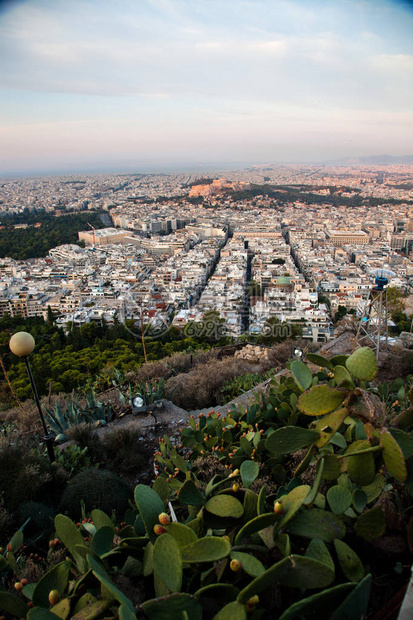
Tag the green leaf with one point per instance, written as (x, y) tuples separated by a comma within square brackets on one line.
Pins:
[(55, 579), (349, 561), (225, 506), (249, 471), (362, 364), (150, 507), (289, 439), (320, 399), (207, 549), (301, 374), (167, 562), (190, 494)]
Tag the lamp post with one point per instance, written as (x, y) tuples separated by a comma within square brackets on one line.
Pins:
[(22, 344)]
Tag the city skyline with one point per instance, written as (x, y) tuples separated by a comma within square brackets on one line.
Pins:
[(162, 85)]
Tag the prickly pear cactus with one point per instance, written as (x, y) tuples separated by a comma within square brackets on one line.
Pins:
[(362, 364), (320, 399)]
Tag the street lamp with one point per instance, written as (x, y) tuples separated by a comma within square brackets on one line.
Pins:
[(22, 344)]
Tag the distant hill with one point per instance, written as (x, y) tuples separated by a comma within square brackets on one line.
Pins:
[(371, 160)]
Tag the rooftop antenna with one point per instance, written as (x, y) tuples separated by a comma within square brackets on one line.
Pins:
[(373, 326)]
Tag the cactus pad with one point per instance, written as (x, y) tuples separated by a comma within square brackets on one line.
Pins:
[(355, 604), (289, 439), (207, 549), (361, 469), (349, 561), (393, 456), (342, 377), (249, 471), (339, 499), (225, 506), (316, 523), (317, 550), (374, 489), (328, 425), (332, 467), (249, 563), (371, 524), (101, 574), (183, 534), (284, 544), (319, 605), (405, 441), (359, 500), (173, 607), (55, 579), (362, 364), (320, 399), (150, 506), (232, 611), (292, 504), (296, 571), (190, 494), (256, 525), (13, 605), (302, 375), (167, 562), (319, 360)]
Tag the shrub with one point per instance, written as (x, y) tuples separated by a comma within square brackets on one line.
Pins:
[(25, 475), (40, 526), (97, 489), (124, 450), (202, 386)]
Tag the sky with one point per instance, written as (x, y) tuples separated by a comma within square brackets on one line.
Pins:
[(152, 85)]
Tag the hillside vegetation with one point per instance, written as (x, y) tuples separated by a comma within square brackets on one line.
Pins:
[(298, 505)]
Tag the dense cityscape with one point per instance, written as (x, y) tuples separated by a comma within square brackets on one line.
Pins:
[(297, 243)]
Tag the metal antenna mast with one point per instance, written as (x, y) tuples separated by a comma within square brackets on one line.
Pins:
[(373, 326)]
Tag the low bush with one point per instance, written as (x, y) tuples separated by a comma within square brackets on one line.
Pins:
[(202, 387), (96, 488)]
